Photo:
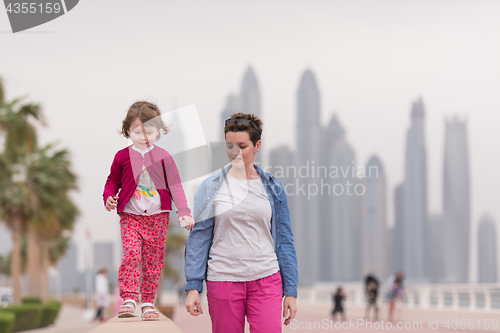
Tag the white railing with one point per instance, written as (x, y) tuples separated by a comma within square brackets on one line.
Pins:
[(473, 297)]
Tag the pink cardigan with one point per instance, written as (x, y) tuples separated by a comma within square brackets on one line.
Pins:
[(125, 172)]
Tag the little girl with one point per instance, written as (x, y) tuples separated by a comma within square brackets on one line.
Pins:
[(148, 180)]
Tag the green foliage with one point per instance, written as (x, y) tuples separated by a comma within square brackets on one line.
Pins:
[(57, 304), (16, 119), (5, 264), (7, 321), (58, 247), (28, 316), (31, 300), (49, 314), (175, 244)]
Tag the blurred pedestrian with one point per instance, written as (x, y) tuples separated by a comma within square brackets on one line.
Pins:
[(101, 294), (338, 307), (396, 293), (371, 289)]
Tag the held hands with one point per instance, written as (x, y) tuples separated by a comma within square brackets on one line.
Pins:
[(193, 305), (111, 203), (290, 303), (188, 222)]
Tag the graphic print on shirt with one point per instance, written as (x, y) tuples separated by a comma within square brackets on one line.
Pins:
[(145, 187), (146, 199)]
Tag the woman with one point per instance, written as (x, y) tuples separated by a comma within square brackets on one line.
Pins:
[(396, 292), (242, 244)]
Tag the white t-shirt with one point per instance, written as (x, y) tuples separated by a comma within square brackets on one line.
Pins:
[(146, 199), (243, 247), (102, 291)]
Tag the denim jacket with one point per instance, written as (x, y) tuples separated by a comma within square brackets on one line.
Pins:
[(201, 236)]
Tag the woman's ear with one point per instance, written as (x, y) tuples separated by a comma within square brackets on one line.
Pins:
[(257, 146)]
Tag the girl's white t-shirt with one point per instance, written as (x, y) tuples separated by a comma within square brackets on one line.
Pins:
[(146, 200)]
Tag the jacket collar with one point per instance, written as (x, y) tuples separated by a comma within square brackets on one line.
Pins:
[(263, 175), (136, 152)]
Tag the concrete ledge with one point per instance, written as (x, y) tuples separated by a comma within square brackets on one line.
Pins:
[(137, 325)]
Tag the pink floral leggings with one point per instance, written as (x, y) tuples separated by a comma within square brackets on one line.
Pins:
[(143, 239)]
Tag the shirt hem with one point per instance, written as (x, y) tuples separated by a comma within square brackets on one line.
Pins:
[(244, 279)]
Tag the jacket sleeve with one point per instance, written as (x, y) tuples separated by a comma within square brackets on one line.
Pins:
[(288, 256), (198, 248), (174, 184), (113, 183)]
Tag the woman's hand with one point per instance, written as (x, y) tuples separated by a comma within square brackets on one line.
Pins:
[(289, 304), (189, 222), (111, 203), (192, 300)]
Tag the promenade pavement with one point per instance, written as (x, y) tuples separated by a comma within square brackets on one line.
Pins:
[(309, 319)]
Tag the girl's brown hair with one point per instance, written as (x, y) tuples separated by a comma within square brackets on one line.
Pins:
[(254, 131), (148, 113)]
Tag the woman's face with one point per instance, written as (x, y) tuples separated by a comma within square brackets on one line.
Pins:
[(240, 150)]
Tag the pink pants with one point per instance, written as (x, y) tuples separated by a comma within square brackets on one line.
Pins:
[(143, 239), (260, 300)]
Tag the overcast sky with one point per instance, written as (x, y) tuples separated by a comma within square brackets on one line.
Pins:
[(371, 60)]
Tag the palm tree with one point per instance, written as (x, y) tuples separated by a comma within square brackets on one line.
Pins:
[(50, 178), (17, 200), (15, 204)]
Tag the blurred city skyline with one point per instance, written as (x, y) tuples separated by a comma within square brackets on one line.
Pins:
[(371, 61)]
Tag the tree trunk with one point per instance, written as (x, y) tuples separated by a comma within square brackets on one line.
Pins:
[(45, 283), (16, 257), (34, 262)]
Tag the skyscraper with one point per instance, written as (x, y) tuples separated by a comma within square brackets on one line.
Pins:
[(281, 163), (487, 250), (281, 166), (71, 279), (342, 218), (375, 219), (334, 132), (103, 256), (250, 102), (309, 135), (415, 196), (435, 254), (456, 202), (396, 255), (232, 106)]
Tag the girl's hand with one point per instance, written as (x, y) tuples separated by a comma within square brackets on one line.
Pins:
[(290, 303), (188, 220), (192, 300), (111, 203)]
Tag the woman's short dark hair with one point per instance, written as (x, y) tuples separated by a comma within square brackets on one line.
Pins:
[(253, 127)]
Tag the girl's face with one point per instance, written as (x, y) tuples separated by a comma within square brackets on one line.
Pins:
[(142, 136), (240, 149)]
